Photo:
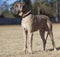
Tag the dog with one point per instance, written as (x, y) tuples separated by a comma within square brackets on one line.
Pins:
[(32, 23)]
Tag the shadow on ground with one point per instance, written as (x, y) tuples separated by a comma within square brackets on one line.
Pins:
[(58, 48)]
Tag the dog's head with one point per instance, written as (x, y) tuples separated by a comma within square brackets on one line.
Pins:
[(19, 9)]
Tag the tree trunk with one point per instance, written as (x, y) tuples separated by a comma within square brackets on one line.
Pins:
[(56, 11)]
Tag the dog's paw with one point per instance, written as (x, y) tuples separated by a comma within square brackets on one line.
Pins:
[(24, 50), (30, 51), (55, 49)]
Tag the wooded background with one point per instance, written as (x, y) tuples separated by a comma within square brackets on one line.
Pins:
[(50, 8)]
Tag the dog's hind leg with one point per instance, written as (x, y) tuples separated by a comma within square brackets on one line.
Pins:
[(43, 38), (53, 43)]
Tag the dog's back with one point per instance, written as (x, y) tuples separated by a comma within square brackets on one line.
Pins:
[(41, 22)]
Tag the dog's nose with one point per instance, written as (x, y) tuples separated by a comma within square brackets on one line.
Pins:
[(11, 8)]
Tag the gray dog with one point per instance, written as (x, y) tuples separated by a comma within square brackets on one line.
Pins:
[(32, 23)]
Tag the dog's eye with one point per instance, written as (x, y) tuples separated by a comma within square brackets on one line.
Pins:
[(24, 6), (16, 5)]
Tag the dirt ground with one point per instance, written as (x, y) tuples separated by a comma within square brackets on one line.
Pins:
[(11, 42)]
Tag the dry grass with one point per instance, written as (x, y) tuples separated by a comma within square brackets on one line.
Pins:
[(11, 42)]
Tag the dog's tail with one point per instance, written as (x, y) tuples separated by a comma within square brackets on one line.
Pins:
[(47, 36), (49, 24)]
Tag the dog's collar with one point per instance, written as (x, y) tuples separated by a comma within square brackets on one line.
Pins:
[(28, 13)]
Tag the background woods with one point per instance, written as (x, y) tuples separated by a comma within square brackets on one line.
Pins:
[(46, 7)]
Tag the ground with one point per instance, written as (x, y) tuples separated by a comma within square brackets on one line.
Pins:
[(11, 42)]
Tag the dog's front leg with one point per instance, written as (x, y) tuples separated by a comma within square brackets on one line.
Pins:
[(25, 39), (30, 42)]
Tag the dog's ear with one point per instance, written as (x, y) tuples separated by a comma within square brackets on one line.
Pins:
[(25, 8)]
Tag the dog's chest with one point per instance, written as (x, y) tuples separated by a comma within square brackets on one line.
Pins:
[(27, 22)]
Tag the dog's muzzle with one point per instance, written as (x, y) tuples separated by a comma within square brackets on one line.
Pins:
[(14, 11)]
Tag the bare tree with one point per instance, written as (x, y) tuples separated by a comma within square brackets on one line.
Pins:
[(36, 7), (56, 10)]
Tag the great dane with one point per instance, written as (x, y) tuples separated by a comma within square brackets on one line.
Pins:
[(32, 23)]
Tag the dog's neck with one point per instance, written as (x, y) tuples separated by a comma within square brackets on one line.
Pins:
[(26, 14)]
